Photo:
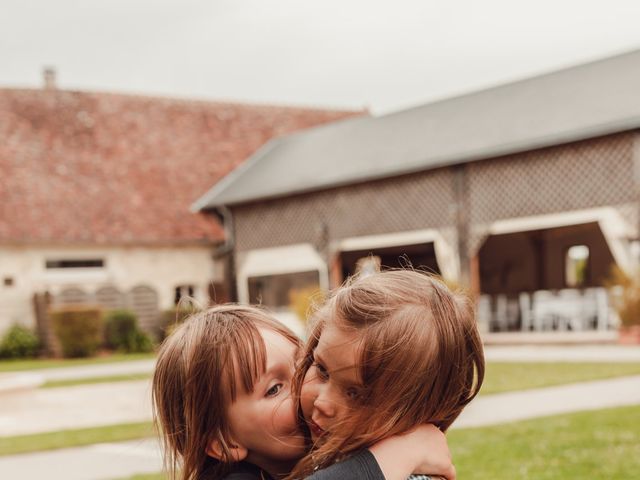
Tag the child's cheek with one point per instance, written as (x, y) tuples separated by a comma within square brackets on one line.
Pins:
[(284, 417)]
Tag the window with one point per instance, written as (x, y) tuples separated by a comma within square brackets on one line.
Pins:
[(576, 266), (183, 291), (78, 263)]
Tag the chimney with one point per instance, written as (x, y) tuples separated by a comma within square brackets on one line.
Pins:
[(49, 77)]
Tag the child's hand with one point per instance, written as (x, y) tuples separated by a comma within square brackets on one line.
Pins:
[(433, 453), (422, 450)]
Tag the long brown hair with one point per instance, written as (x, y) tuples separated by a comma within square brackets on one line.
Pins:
[(420, 361), (195, 382)]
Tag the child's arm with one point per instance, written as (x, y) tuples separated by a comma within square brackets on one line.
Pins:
[(424, 449)]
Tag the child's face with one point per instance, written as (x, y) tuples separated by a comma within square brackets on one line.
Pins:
[(331, 384), (264, 421)]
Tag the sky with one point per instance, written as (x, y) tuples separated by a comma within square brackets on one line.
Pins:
[(352, 54)]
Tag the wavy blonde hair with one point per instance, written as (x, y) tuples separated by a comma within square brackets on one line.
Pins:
[(420, 361), (195, 382)]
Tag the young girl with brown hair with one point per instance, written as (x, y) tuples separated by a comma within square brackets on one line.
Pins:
[(388, 351), (223, 404)]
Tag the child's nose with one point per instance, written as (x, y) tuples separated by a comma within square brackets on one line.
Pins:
[(324, 405)]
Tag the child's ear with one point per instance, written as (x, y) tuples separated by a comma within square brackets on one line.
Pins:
[(215, 450)]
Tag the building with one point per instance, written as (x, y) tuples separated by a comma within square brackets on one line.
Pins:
[(525, 190), (95, 191)]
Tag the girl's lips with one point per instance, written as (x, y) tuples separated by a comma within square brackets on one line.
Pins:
[(315, 429)]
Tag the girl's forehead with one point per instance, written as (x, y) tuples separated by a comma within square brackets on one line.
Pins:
[(279, 349), (338, 349)]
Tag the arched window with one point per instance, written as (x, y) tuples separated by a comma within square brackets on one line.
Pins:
[(72, 296), (143, 301), (110, 298)]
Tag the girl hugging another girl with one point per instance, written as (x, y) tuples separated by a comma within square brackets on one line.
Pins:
[(390, 354), (387, 352)]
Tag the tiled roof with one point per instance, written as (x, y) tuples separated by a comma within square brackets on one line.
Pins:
[(95, 168)]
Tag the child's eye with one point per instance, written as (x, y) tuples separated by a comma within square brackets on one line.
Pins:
[(353, 393), (273, 391), (322, 372)]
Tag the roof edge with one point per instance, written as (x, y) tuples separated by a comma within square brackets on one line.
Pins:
[(491, 153)]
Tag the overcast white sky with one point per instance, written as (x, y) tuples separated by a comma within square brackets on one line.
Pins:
[(384, 55)]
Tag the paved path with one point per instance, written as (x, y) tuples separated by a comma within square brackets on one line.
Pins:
[(49, 409), (566, 353), (15, 381), (100, 370), (524, 404), (106, 461)]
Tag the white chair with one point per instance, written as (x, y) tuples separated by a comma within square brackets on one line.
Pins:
[(513, 313), (526, 315), (501, 314), (484, 313), (596, 306), (543, 310), (570, 310)]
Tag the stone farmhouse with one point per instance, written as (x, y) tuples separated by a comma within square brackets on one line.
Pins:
[(95, 190)]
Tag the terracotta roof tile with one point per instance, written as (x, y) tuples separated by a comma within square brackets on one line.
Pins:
[(80, 167)]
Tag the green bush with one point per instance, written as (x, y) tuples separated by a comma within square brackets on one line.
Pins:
[(141, 343), (122, 332), (79, 330), (19, 342), (627, 303), (120, 327), (170, 319)]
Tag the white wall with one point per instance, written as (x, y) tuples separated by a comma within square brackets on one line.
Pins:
[(162, 268)]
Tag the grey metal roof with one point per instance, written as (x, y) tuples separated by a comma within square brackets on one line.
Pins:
[(585, 101)]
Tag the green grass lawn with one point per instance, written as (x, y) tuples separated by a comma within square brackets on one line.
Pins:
[(604, 444), (84, 381), (504, 377), (600, 444), (74, 438), (36, 364)]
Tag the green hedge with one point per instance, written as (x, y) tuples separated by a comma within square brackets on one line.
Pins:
[(19, 342), (122, 332), (170, 319), (79, 330)]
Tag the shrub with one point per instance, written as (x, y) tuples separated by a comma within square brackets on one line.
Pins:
[(19, 342), (120, 327), (170, 319), (79, 330), (303, 301), (122, 332), (627, 303), (141, 342)]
